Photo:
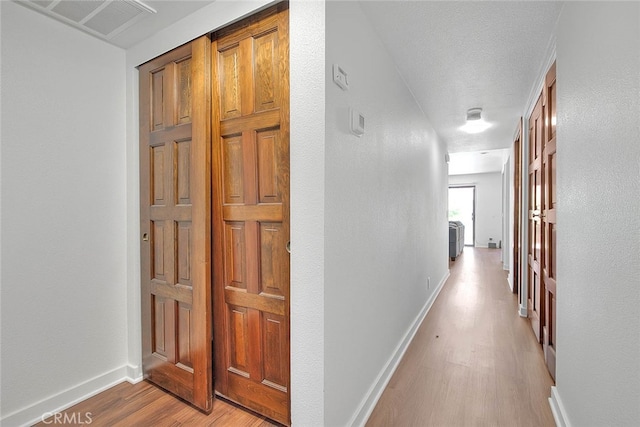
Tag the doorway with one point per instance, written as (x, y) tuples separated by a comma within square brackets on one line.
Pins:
[(462, 207), (540, 262), (214, 191)]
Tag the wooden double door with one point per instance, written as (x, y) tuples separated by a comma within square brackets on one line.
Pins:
[(214, 196), (541, 251)]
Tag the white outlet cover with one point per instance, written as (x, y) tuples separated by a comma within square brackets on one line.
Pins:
[(357, 122)]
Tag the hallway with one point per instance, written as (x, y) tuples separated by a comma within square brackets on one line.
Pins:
[(474, 361)]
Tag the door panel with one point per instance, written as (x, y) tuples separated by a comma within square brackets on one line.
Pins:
[(535, 300), (251, 212), (549, 221), (175, 206)]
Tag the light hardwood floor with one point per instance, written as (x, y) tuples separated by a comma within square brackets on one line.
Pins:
[(473, 362), (145, 405)]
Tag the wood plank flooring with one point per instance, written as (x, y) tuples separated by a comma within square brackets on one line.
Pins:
[(145, 405), (474, 361)]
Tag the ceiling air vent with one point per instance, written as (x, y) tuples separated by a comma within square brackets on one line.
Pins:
[(101, 18)]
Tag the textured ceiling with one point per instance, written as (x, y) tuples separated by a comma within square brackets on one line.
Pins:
[(459, 55), (122, 27), (454, 55)]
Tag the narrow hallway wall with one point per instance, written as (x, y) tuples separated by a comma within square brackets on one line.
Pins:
[(385, 215), (598, 184), (64, 318)]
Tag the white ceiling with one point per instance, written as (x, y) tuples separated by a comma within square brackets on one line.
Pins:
[(454, 55), (132, 31), (467, 162)]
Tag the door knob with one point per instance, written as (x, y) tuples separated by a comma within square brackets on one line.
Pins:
[(536, 214), (145, 237), (288, 246)]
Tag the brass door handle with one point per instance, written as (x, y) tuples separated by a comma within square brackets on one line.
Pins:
[(536, 214), (145, 237)]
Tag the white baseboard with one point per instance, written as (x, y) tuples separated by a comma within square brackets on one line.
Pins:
[(35, 412), (522, 311), (134, 374), (370, 399), (557, 408)]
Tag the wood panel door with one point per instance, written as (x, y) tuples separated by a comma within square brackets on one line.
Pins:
[(175, 221), (535, 296), (549, 221), (251, 212)]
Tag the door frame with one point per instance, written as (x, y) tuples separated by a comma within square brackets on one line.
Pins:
[(524, 198), (535, 214), (523, 288), (517, 207), (549, 221), (473, 214), (307, 165)]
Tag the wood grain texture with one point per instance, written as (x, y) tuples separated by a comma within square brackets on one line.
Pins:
[(473, 361), (175, 221), (535, 300), (251, 212), (145, 405), (549, 165)]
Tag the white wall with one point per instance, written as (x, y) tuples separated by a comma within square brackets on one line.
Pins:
[(307, 96), (63, 214), (385, 216), (598, 184), (488, 205)]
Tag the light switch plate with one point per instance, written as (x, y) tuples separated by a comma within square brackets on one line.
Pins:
[(340, 77)]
